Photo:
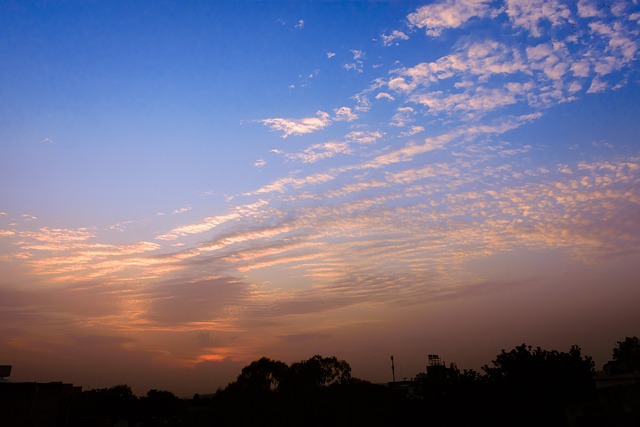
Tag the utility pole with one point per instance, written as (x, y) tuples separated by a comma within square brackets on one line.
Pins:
[(393, 370)]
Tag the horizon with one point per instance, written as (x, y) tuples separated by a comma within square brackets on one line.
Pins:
[(187, 187)]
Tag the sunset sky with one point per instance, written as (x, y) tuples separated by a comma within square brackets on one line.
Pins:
[(188, 186)]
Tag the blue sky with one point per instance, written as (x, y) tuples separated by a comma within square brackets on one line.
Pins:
[(190, 186)]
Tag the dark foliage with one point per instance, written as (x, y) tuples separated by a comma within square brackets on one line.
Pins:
[(626, 357), (525, 386), (539, 384)]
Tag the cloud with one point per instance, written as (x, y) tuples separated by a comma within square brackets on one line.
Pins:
[(101, 340), (300, 24), (528, 14), (330, 55), (413, 130), (344, 114), (408, 152), (357, 64), (363, 137), (122, 226), (299, 126), (441, 15), (303, 338), (181, 210), (259, 163), (363, 102), (403, 117), (318, 152), (388, 40), (470, 104), (214, 221), (597, 86), (384, 95), (280, 185), (176, 303), (589, 9)]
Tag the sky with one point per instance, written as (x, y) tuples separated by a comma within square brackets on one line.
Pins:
[(186, 187)]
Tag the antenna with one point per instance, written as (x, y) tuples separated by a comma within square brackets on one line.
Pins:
[(393, 370)]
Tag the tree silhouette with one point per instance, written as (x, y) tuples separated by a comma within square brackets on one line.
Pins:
[(626, 357), (114, 403), (262, 375), (161, 404), (317, 372), (539, 384)]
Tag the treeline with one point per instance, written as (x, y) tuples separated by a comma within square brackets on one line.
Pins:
[(523, 386)]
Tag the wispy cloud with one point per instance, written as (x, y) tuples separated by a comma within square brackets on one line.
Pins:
[(441, 15), (182, 210), (318, 152), (528, 15), (363, 137), (388, 40), (385, 95), (413, 130), (345, 114), (212, 222), (357, 64), (302, 126)]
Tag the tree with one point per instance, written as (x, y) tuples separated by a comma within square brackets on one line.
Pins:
[(161, 403), (317, 372), (539, 384), (261, 375), (116, 402), (626, 357), (524, 364)]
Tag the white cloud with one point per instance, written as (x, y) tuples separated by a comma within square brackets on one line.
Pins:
[(300, 24), (588, 9), (344, 114), (363, 102), (181, 210), (528, 14), (361, 137), (298, 126), (403, 117), (318, 152), (575, 87), (482, 59), (357, 64), (280, 185), (597, 86), (211, 222), (448, 14), (121, 226), (385, 95), (388, 40), (259, 163), (330, 55), (413, 130), (581, 68), (473, 103)]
